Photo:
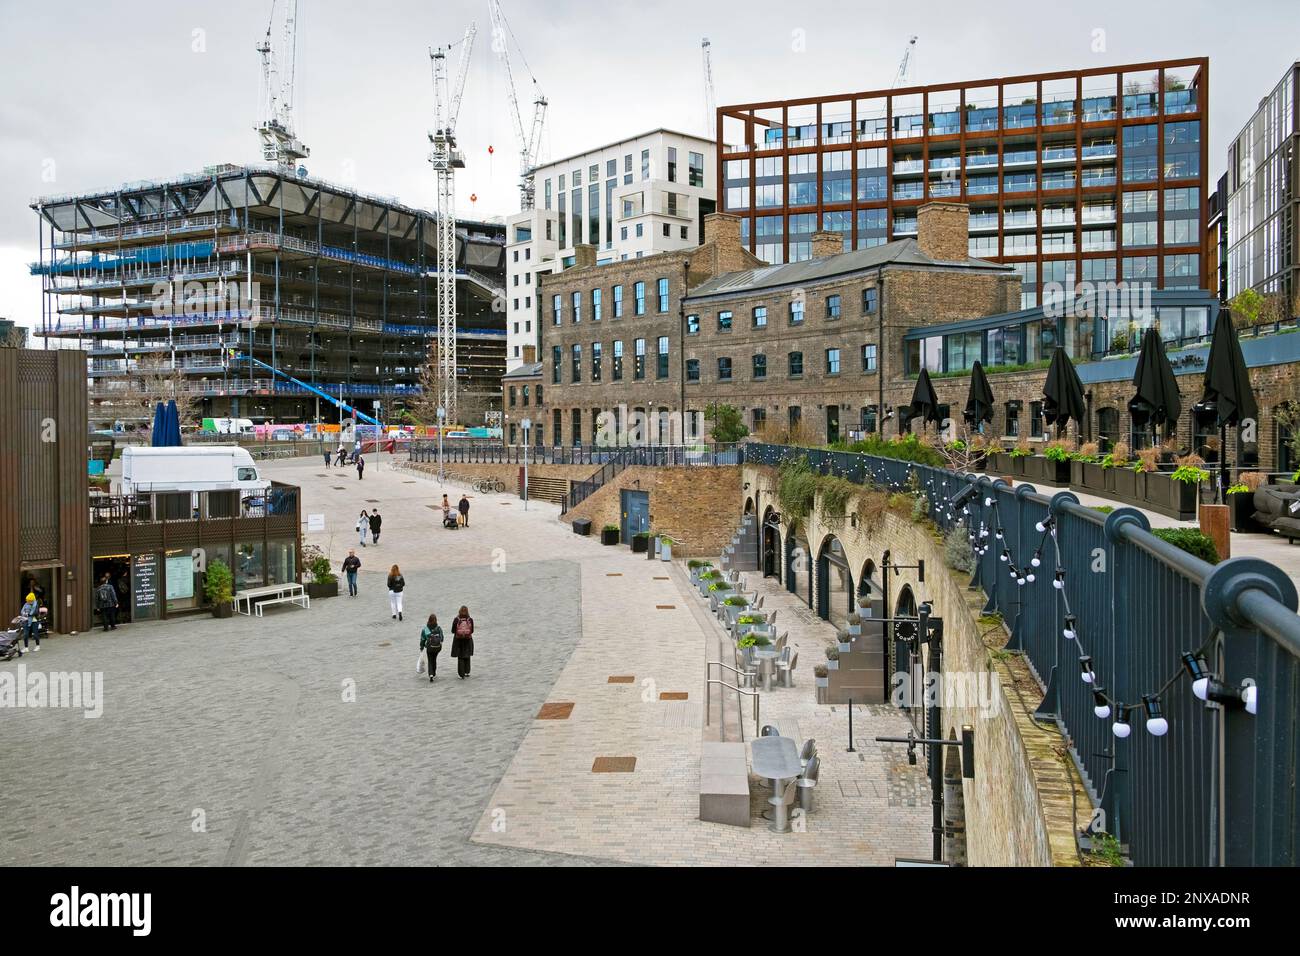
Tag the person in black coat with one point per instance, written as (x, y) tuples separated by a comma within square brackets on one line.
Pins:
[(462, 641), (375, 523), (463, 508), (361, 465)]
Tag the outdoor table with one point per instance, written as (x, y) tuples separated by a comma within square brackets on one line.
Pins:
[(776, 759), (249, 595), (766, 657)]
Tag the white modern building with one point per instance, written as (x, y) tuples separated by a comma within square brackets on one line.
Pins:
[(632, 198)]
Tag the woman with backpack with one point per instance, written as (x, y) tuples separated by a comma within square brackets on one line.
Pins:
[(431, 644), (363, 527), (462, 641), (396, 585)]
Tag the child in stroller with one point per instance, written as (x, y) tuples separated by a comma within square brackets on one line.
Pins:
[(450, 520), (11, 641)]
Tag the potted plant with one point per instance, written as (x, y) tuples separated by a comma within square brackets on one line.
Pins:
[(1019, 455), (665, 548), (1086, 469), (609, 534), (833, 657), (1130, 480), (324, 582), (732, 606), (1241, 501), (1056, 462), (844, 643), (640, 541), (218, 588), (705, 578), (1175, 494), (745, 623), (997, 458), (821, 677), (855, 625), (717, 591), (697, 567)]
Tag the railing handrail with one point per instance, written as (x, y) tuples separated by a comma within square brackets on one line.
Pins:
[(708, 700)]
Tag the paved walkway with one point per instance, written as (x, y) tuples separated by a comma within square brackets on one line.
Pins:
[(305, 737)]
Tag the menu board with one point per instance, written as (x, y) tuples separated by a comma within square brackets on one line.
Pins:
[(180, 577), (144, 587)]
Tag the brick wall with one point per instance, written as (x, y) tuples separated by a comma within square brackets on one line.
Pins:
[(696, 507), (1018, 806)]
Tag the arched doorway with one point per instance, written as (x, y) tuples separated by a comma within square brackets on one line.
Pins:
[(771, 544), (749, 506), (871, 596), (835, 596)]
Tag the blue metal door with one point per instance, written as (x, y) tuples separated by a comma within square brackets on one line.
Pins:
[(635, 512)]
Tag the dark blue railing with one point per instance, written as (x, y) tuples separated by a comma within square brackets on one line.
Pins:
[(1219, 789)]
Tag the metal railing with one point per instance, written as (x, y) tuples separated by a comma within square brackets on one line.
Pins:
[(1219, 788), (740, 714)]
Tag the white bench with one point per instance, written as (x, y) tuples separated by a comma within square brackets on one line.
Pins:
[(302, 600)]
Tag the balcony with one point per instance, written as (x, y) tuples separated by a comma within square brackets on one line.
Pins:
[(908, 191), (904, 167), (1092, 178), (1100, 151)]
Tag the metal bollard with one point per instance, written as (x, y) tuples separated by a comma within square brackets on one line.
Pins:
[(851, 750)]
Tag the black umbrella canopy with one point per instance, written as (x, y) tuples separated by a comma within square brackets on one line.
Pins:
[(1063, 392), (979, 400), (925, 401), (1157, 401), (1228, 394)]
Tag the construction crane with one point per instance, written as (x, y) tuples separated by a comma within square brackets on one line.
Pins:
[(275, 126), (446, 159), (903, 75), (710, 109), (528, 145)]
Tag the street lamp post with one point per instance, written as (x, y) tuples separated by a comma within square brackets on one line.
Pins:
[(442, 415), (527, 426)]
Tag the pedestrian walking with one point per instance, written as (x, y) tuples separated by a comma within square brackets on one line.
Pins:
[(446, 511), (327, 457), (376, 522), (462, 641), (430, 645), (363, 527), (343, 456), (361, 465), (351, 565), (463, 508), (31, 625), (106, 603), (396, 585)]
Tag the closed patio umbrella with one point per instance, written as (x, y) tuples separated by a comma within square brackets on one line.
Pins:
[(925, 401), (173, 424), (979, 400), (1157, 402), (157, 434), (1063, 393), (1229, 398)]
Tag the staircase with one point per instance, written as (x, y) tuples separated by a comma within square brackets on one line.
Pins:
[(742, 553), (548, 489)]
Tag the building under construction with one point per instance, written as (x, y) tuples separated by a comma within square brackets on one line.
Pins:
[(209, 278)]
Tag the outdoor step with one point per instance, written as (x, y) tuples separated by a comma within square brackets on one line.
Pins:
[(724, 783)]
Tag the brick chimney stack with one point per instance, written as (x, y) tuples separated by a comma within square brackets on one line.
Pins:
[(943, 231), (584, 255), (826, 244), (722, 228)]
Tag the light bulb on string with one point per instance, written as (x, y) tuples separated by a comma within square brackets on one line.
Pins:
[(1121, 727), (1195, 666), (1101, 706), (1059, 581), (1070, 632), (1085, 669), (1157, 725)]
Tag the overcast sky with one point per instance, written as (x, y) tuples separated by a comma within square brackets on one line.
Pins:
[(96, 94)]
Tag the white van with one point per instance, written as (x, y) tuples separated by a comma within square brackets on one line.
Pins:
[(233, 426), (190, 468)]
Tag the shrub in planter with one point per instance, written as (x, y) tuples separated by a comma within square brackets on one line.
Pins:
[(665, 548), (1177, 491), (820, 671), (1190, 540), (695, 564), (218, 588), (609, 534), (324, 582), (640, 541), (833, 652), (1130, 484), (1056, 461)]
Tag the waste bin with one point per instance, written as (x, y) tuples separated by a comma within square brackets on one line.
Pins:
[(582, 526)]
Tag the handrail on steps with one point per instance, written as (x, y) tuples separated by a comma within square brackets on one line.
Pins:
[(708, 699)]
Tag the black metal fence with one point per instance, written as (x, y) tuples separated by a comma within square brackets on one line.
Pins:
[(1219, 787)]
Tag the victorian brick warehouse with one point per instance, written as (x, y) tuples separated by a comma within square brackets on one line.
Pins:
[(1096, 175), (834, 344)]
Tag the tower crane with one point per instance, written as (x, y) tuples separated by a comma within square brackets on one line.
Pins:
[(446, 159), (903, 74), (710, 109), (275, 125), (530, 144)]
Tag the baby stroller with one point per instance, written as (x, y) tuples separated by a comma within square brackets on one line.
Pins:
[(450, 521), (11, 643)]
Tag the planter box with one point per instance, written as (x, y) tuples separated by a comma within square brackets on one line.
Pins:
[(1241, 510), (1129, 486), (1019, 466), (823, 690), (665, 552), (1057, 472), (1001, 463), (317, 591), (224, 609), (609, 536), (639, 543), (1089, 476), (1033, 467), (1177, 499), (832, 666)]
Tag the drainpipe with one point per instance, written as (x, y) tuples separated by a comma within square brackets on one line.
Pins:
[(681, 343), (880, 353)]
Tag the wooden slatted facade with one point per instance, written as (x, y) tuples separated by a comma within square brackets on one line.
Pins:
[(44, 523)]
